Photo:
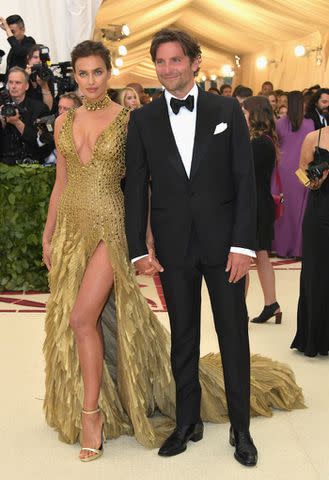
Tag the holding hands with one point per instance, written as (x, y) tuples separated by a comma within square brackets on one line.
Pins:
[(149, 265)]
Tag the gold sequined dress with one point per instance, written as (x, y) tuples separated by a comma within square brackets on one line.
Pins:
[(137, 395)]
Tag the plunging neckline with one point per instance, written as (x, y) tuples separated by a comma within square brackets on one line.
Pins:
[(90, 161)]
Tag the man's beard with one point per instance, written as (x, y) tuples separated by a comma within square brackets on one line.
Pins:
[(323, 111)]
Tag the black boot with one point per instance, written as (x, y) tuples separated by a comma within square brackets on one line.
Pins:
[(267, 313), (177, 442), (245, 450)]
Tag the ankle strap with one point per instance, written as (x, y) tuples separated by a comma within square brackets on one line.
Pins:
[(90, 412)]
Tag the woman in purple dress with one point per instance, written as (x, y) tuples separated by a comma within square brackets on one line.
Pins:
[(291, 131)]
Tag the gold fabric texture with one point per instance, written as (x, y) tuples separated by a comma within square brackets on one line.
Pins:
[(137, 394)]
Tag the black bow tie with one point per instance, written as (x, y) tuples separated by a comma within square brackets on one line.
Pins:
[(176, 104)]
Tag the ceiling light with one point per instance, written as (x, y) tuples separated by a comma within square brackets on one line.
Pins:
[(122, 50), (226, 70), (118, 62), (115, 72), (261, 63), (213, 77), (125, 30), (300, 51)]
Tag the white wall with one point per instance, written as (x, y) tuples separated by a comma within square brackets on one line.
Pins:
[(59, 24)]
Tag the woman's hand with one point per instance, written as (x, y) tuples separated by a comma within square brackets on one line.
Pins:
[(46, 254), (316, 184)]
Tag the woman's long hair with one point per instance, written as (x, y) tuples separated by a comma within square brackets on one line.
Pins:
[(295, 109), (261, 119)]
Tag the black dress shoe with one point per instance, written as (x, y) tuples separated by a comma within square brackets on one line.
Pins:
[(177, 441), (245, 450)]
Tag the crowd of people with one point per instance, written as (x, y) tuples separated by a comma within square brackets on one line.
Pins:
[(178, 216), (31, 97)]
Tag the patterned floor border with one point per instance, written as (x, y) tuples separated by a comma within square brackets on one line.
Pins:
[(23, 302)]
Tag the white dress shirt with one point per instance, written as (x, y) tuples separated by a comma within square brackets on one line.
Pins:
[(322, 118), (183, 127)]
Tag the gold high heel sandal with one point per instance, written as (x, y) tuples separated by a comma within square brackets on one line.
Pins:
[(98, 452)]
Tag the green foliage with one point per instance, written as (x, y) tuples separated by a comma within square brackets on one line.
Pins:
[(24, 197)]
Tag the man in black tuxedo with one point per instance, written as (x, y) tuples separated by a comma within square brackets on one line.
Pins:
[(195, 148)]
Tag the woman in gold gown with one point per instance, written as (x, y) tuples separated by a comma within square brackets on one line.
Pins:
[(114, 375)]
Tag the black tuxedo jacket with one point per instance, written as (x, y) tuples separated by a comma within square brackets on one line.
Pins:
[(316, 120), (218, 199)]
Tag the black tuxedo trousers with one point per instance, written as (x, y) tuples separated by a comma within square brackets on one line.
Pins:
[(182, 289)]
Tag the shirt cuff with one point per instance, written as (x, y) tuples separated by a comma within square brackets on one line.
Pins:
[(133, 260), (243, 251)]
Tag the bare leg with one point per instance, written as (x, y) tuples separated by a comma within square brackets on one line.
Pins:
[(266, 277), (94, 291)]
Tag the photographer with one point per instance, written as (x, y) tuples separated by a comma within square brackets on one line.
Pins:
[(312, 335), (46, 126), (41, 84), (67, 101), (19, 43), (18, 134)]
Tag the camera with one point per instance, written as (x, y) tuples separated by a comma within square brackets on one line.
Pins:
[(315, 172), (45, 126), (42, 70), (8, 106), (317, 167), (64, 80)]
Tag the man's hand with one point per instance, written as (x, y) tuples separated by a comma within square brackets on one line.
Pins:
[(238, 265), (28, 69), (3, 24), (148, 265), (13, 119)]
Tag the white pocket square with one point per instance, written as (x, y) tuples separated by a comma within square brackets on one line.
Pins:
[(221, 127)]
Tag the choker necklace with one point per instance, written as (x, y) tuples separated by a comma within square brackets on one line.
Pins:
[(98, 105)]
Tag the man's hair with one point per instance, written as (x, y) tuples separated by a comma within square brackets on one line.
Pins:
[(310, 108), (224, 86), (279, 92), (190, 46), (15, 19), (72, 96), (295, 109), (270, 94), (33, 49), (20, 70), (89, 48), (242, 92), (268, 83), (214, 89)]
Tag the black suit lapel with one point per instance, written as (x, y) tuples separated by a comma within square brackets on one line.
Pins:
[(204, 122), (167, 143)]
